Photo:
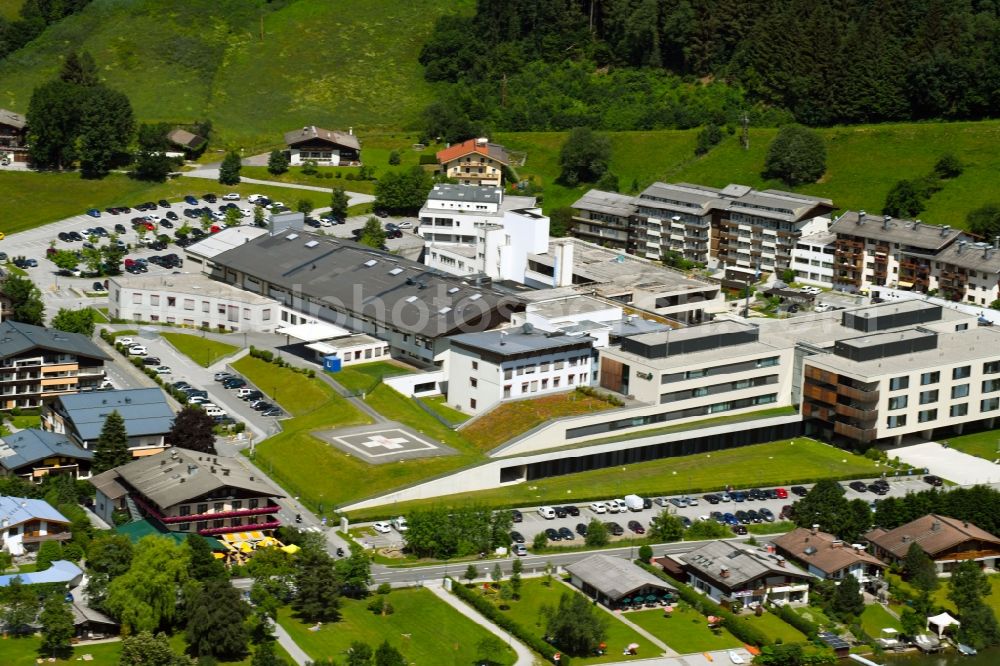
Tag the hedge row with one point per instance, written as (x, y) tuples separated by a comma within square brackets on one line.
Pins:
[(807, 627), (269, 357), (736, 626), (493, 614)]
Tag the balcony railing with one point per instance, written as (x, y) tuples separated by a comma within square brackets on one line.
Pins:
[(259, 511), (857, 394), (863, 435), (270, 525)]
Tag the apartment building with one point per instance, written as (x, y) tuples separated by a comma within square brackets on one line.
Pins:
[(813, 259), (486, 368), (733, 226), (474, 162), (968, 272), (37, 363), (901, 376), (189, 492), (477, 230)]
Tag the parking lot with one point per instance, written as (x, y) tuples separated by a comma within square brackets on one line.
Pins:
[(533, 523)]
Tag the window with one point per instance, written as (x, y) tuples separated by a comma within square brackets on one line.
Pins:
[(959, 410), (545, 384), (767, 362), (524, 387), (136, 299), (246, 313), (202, 508), (189, 304), (475, 365), (555, 382), (201, 525), (472, 403), (545, 367), (237, 505), (989, 404), (926, 415), (204, 306), (534, 386), (171, 301), (570, 379), (507, 373), (991, 385), (927, 397), (898, 402), (960, 391), (154, 299), (222, 310), (219, 522), (254, 503), (930, 378), (185, 510), (991, 367), (506, 391), (899, 383), (473, 382), (266, 314), (184, 527), (897, 421), (961, 373)]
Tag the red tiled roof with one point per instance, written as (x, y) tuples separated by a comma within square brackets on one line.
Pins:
[(934, 533), (494, 150)]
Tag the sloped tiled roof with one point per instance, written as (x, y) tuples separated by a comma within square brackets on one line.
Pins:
[(494, 150), (29, 446), (934, 533), (311, 132), (822, 550), (17, 338), (145, 411)]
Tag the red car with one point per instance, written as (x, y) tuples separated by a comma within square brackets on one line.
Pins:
[(782, 493)]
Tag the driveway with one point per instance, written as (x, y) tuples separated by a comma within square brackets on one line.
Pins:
[(951, 464)]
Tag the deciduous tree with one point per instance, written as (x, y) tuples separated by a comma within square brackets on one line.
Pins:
[(145, 649), (53, 121), (359, 654), (387, 655), (797, 155), (75, 321), (111, 449), (919, 569), (666, 527), (109, 555), (20, 606), (57, 625), (316, 598), (403, 192), (584, 157), (106, 128), (847, 600), (597, 533), (576, 625), (25, 300), (64, 259), (372, 234), (216, 622), (145, 598), (904, 199)]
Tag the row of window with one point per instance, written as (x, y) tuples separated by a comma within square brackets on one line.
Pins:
[(237, 505), (963, 372), (959, 409), (189, 304), (545, 366)]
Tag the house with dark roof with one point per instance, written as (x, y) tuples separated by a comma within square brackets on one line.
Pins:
[(148, 417), (335, 281), (187, 141), (488, 367), (617, 582), (947, 541), (325, 147), (38, 363), (25, 523), (13, 137), (731, 572), (827, 557), (34, 454), (474, 162), (189, 492)]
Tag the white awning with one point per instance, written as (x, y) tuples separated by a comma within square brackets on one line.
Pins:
[(313, 332)]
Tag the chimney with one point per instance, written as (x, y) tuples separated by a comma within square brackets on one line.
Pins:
[(961, 246), (724, 573), (906, 538), (350, 130), (986, 252), (781, 560), (916, 224), (935, 526), (563, 270), (996, 242), (815, 528), (192, 469), (503, 334), (945, 229), (885, 221), (861, 217)]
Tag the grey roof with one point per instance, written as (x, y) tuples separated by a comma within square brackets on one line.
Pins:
[(17, 338), (83, 614), (312, 132), (107, 483), (686, 197), (616, 577), (61, 571), (573, 305), (12, 119), (178, 475), (361, 280), (475, 193), (145, 411), (516, 342), (29, 446), (635, 326), (609, 203), (971, 255), (743, 564), (182, 137), (693, 332), (905, 232)]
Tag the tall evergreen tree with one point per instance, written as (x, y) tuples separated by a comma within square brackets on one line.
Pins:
[(847, 600), (79, 69), (277, 162), (229, 172), (216, 622), (204, 565), (112, 445), (919, 569), (339, 203), (316, 598)]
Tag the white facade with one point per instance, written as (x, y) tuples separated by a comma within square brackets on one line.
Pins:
[(476, 230), (351, 350), (480, 378), (191, 300), (812, 259)]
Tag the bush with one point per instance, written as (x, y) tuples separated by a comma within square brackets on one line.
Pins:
[(707, 139), (427, 159), (948, 166), (797, 155), (486, 607), (808, 628)]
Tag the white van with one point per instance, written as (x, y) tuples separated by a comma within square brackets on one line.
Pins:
[(547, 512), (400, 524), (214, 411)]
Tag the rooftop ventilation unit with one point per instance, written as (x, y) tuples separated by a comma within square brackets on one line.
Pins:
[(291, 236), (370, 263), (312, 243), (396, 271)]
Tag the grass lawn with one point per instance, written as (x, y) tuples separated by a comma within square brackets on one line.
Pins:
[(774, 628), (203, 351), (774, 463), (940, 595), (25, 421), (779, 527), (875, 618), (909, 150), (297, 393), (527, 613), (424, 628), (685, 631), (437, 404), (513, 418), (361, 378), (984, 444), (40, 198), (816, 616)]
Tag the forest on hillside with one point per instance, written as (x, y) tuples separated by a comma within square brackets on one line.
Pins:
[(648, 64)]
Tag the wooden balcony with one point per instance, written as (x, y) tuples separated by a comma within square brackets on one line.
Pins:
[(864, 416), (857, 394), (819, 394), (857, 434)]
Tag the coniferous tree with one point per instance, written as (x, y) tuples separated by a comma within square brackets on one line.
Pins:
[(112, 445), (847, 600), (316, 598), (216, 622), (277, 162), (229, 172)]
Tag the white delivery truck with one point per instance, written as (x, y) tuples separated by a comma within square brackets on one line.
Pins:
[(633, 502), (547, 512)]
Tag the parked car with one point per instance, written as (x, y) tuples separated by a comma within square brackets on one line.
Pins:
[(934, 480), (231, 196), (98, 286), (754, 516), (598, 507), (878, 489), (571, 510), (738, 529), (566, 534), (552, 534), (766, 514), (560, 511), (614, 528), (781, 493), (381, 527), (516, 537), (151, 360), (162, 370), (743, 517), (581, 529), (137, 350), (273, 410), (254, 394), (93, 212), (636, 527), (519, 549), (858, 486), (712, 498), (222, 376), (516, 516), (234, 383), (261, 406), (786, 512), (799, 491)]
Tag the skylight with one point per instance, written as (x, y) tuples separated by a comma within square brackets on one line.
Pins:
[(370, 263), (410, 299), (312, 243), (291, 236), (396, 271)]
